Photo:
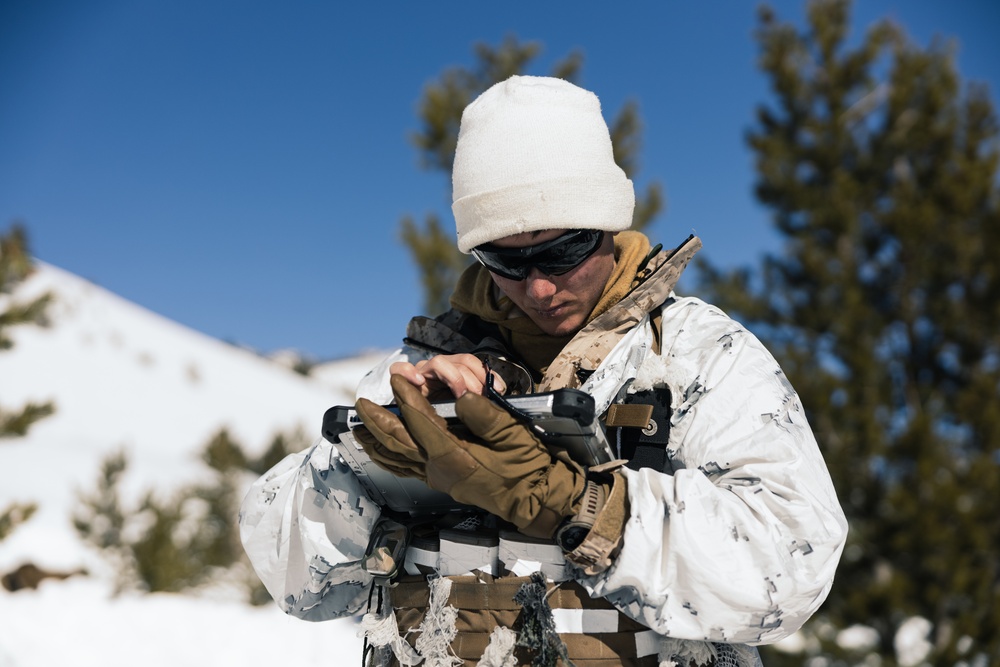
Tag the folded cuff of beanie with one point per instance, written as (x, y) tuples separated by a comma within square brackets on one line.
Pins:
[(566, 203)]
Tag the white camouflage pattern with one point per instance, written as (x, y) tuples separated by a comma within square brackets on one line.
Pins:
[(739, 544)]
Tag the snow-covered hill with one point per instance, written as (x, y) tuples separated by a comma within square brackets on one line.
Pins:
[(122, 377)]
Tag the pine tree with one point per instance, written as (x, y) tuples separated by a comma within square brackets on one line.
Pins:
[(15, 266), (432, 243), (883, 307), (184, 538)]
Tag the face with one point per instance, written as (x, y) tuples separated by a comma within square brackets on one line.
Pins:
[(559, 305)]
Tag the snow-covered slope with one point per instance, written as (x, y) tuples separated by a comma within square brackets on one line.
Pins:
[(122, 377)]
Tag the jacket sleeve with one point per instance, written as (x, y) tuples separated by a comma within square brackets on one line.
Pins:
[(740, 541), (306, 523), (305, 526)]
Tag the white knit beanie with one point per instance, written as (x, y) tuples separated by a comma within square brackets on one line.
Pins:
[(534, 153)]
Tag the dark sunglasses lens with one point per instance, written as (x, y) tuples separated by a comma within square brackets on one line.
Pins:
[(565, 257), (508, 267), (553, 258)]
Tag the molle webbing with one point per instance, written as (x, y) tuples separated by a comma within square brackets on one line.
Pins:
[(612, 640)]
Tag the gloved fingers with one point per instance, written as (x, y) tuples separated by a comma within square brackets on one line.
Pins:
[(447, 460), (492, 423), (388, 430), (396, 463)]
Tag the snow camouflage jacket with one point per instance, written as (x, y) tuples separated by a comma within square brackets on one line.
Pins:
[(735, 542)]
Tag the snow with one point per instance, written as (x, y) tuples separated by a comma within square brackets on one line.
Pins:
[(911, 641), (77, 623), (122, 377), (858, 638)]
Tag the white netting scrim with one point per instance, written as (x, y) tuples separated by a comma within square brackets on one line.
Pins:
[(687, 653)]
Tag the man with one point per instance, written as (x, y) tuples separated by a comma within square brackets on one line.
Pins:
[(719, 529)]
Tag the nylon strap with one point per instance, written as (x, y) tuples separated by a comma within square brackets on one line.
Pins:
[(473, 594), (628, 414)]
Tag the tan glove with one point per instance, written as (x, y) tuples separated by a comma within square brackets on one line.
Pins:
[(499, 465), (400, 455)]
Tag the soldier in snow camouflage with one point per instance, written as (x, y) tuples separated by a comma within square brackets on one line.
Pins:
[(717, 529)]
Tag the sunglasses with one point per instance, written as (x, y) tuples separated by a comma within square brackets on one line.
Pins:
[(553, 258)]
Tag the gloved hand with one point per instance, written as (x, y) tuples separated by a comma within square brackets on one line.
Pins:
[(499, 465), (400, 454)]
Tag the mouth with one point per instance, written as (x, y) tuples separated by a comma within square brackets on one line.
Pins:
[(550, 312)]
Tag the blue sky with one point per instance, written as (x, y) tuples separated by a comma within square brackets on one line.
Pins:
[(242, 167)]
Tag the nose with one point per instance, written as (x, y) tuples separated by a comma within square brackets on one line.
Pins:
[(539, 286)]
